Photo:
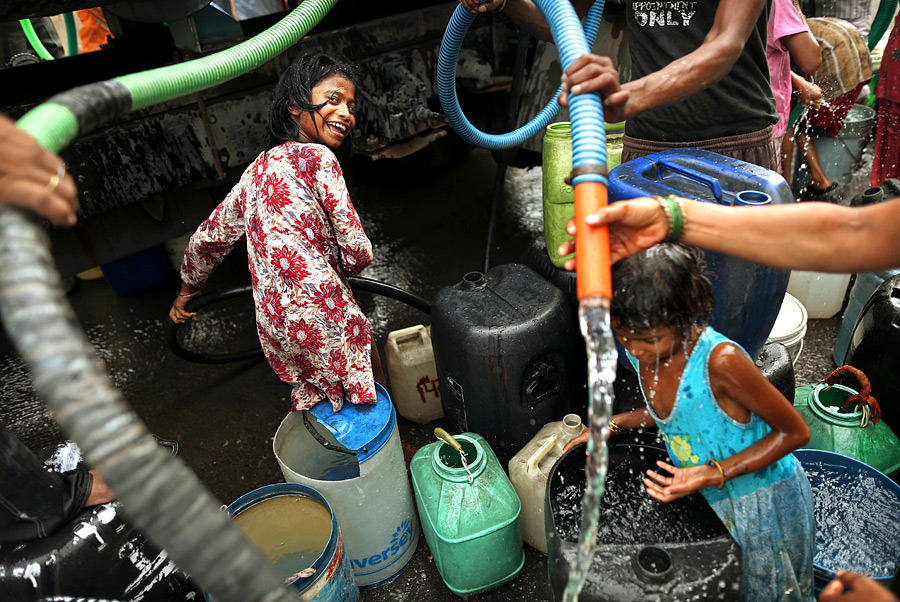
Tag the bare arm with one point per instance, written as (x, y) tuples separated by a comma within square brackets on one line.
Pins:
[(525, 13), (734, 21), (798, 236), (804, 51), (635, 419)]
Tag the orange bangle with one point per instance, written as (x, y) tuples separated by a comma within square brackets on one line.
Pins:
[(711, 462)]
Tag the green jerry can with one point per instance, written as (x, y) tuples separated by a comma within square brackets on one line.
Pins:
[(842, 426), (558, 196), (469, 512)]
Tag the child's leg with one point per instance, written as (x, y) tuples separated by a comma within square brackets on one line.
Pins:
[(377, 370)]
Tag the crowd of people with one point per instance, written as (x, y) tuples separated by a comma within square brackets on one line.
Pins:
[(721, 73)]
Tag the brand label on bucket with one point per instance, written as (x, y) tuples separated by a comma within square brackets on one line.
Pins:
[(400, 542)]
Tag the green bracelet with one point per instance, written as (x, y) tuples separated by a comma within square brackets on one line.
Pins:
[(673, 213)]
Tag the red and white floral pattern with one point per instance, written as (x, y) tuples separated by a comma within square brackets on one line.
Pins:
[(303, 237)]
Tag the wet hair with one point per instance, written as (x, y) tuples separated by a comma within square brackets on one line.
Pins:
[(666, 285), (295, 86)]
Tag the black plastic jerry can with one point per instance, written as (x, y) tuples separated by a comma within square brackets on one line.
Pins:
[(503, 347)]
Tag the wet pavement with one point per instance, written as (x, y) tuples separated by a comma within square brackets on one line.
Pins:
[(429, 227)]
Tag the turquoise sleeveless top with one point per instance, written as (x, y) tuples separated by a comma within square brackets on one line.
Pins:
[(698, 428)]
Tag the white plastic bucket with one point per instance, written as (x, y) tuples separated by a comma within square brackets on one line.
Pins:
[(822, 294), (790, 326), (369, 494)]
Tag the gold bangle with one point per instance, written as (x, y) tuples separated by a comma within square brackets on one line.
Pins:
[(502, 6), (711, 462), (194, 294), (614, 428)]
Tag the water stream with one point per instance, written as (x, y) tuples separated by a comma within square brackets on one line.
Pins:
[(593, 316)]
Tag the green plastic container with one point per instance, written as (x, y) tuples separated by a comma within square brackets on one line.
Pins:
[(472, 529), (559, 200), (837, 429)]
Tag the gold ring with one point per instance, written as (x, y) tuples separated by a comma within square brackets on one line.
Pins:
[(56, 178)]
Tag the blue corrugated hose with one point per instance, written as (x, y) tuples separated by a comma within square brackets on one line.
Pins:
[(585, 110)]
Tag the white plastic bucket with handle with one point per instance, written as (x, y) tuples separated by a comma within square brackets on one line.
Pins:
[(790, 326)]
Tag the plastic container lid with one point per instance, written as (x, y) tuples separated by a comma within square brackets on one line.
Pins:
[(791, 319), (362, 428)]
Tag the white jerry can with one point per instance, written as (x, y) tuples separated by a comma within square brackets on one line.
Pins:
[(413, 374), (529, 470)]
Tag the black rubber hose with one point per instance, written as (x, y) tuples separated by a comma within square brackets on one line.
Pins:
[(209, 358), (357, 283)]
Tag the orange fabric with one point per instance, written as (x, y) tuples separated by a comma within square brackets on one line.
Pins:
[(93, 31)]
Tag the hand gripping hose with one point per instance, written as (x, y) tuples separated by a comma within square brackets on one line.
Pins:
[(589, 175), (163, 496)]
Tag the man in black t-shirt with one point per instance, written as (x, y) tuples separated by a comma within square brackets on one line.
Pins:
[(700, 76)]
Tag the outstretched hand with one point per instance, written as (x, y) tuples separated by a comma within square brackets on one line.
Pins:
[(634, 225), (683, 482), (853, 587), (593, 73)]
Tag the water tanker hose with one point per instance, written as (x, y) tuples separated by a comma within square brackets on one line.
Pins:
[(158, 491), (589, 173)]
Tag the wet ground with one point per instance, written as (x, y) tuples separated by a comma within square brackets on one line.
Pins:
[(429, 226)]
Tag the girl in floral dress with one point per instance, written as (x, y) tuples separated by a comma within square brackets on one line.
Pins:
[(303, 238)]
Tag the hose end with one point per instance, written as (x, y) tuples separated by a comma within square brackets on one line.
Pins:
[(592, 261)]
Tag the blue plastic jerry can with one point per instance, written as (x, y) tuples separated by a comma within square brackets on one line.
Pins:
[(747, 295)]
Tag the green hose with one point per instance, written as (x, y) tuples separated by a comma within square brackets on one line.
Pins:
[(33, 39), (71, 35), (62, 118), (882, 21)]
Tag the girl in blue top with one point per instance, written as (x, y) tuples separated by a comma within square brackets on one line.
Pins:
[(728, 430)]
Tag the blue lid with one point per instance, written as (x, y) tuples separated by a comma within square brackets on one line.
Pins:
[(364, 428)]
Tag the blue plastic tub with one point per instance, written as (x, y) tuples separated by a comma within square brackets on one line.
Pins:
[(857, 517), (747, 295)]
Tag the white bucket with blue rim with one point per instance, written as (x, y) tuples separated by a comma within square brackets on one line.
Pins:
[(355, 460)]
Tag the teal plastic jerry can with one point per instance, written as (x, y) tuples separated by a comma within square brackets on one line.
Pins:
[(470, 518)]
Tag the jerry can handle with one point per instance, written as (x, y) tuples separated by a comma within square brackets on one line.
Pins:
[(408, 335), (542, 452), (693, 174)]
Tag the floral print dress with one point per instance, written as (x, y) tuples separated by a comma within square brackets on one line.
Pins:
[(303, 237)]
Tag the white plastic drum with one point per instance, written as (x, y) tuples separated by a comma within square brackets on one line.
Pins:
[(790, 326), (369, 492)]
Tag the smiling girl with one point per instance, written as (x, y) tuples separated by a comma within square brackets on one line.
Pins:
[(303, 238), (729, 432)]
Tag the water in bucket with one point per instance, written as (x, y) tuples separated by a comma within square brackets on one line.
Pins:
[(856, 511), (290, 530)]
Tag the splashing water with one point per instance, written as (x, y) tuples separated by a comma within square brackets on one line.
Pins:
[(593, 315)]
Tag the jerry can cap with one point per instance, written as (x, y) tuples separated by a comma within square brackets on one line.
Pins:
[(363, 428)]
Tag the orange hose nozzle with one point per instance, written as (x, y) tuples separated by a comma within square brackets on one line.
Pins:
[(592, 264)]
